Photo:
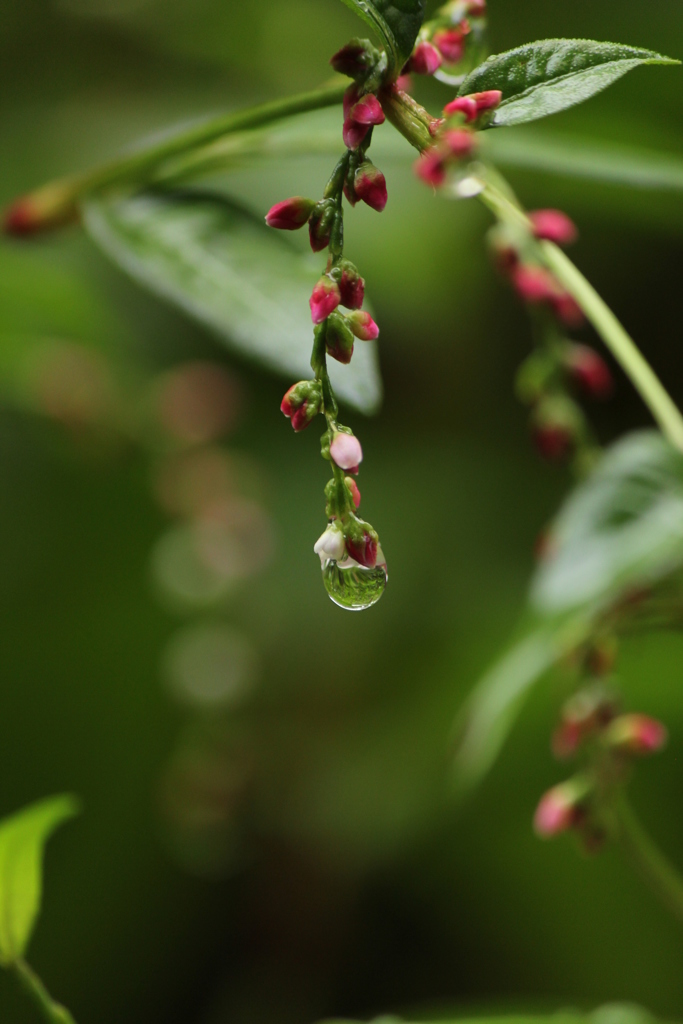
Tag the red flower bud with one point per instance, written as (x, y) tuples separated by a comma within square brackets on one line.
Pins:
[(346, 451), (534, 284), (488, 100), (567, 310), (477, 8), (353, 132), (431, 167), (636, 734), (425, 60), (462, 105), (554, 442), (553, 226), (363, 326), (363, 550), (353, 488), (324, 300), (450, 42), (588, 370), (558, 810), (461, 143), (370, 186), (302, 403), (352, 60), (351, 287), (368, 110), (339, 338), (290, 214), (49, 207)]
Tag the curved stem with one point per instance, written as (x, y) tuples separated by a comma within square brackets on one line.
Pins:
[(648, 859), (51, 1011), (57, 201)]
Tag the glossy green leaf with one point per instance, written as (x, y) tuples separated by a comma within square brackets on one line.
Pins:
[(494, 704), (396, 22), (22, 839), (622, 528), (223, 266), (545, 77)]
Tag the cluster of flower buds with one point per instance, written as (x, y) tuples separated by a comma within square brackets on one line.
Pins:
[(302, 403), (456, 140), (444, 39), (591, 724), (559, 367)]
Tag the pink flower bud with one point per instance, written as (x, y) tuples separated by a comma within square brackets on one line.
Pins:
[(363, 326), (567, 309), (425, 60), (352, 60), (450, 42), (534, 284), (368, 110), (290, 214), (353, 488), (636, 734), (404, 83), (353, 133), (351, 287), (324, 300), (588, 370), (553, 226), (346, 451), (462, 105), (461, 143), (431, 167), (557, 811), (339, 338), (364, 550), (488, 100), (302, 403), (370, 186)]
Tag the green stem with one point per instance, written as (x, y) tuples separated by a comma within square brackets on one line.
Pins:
[(648, 860), (53, 1012), (57, 201), (617, 340)]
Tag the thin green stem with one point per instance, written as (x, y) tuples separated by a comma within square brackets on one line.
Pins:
[(57, 201), (615, 337), (648, 859), (52, 1012)]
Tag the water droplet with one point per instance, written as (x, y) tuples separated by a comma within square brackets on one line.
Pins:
[(352, 586)]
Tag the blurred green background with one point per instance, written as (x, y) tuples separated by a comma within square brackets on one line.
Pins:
[(269, 833)]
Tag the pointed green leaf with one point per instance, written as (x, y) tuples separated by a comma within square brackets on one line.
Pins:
[(22, 838), (494, 704), (396, 22), (622, 528), (224, 267), (548, 76)]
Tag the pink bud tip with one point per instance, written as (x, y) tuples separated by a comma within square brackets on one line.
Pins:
[(290, 214), (298, 407), (637, 734), (462, 105), (404, 83), (589, 370), (425, 60), (353, 488), (353, 133), (368, 110), (431, 167), (346, 451), (553, 226), (324, 300), (363, 326), (555, 813), (364, 551), (21, 219), (534, 284), (488, 100), (450, 43), (351, 60), (371, 187), (461, 143), (352, 290)]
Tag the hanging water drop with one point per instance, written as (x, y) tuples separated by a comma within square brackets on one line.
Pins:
[(351, 585)]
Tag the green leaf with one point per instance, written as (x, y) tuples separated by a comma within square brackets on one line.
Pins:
[(495, 703), (22, 838), (396, 22), (223, 266), (621, 529), (548, 76)]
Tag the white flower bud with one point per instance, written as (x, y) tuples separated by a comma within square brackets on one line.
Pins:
[(331, 544)]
